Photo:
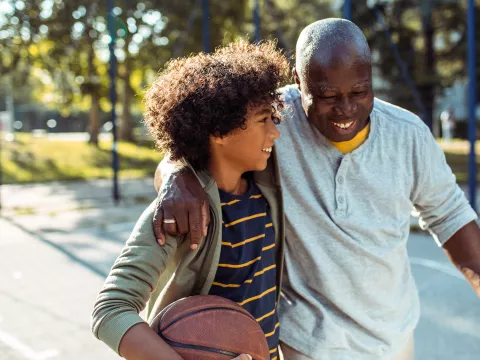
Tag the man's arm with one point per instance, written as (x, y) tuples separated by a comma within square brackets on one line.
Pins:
[(445, 211), (180, 198), (463, 249)]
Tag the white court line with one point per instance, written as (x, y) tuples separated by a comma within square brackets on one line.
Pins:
[(27, 352), (436, 265)]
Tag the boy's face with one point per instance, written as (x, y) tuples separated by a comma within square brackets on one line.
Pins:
[(248, 149)]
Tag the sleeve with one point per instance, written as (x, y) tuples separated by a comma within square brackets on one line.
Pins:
[(438, 200), (131, 281)]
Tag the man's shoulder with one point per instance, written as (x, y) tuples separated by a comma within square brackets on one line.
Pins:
[(290, 93), (393, 115)]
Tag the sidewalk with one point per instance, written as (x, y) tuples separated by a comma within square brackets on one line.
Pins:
[(60, 240), (64, 195)]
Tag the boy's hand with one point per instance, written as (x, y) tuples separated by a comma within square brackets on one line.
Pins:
[(182, 207), (243, 357)]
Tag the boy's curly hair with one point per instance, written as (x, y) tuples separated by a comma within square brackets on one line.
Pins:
[(207, 95)]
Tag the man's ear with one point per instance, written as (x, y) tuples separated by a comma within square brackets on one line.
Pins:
[(295, 76)]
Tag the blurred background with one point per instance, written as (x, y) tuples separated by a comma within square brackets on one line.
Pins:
[(76, 164)]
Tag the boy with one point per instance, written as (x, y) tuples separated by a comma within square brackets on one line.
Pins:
[(218, 113)]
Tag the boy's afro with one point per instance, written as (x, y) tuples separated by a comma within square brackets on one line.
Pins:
[(207, 95)]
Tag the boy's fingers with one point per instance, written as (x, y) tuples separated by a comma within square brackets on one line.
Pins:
[(243, 357)]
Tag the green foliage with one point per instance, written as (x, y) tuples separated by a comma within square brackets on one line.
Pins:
[(33, 159)]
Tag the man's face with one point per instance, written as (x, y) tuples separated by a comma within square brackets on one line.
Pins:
[(337, 98)]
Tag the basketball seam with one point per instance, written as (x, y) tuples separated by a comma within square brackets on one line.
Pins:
[(197, 312), (198, 347)]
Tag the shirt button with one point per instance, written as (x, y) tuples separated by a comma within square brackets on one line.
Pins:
[(340, 179), (340, 199)]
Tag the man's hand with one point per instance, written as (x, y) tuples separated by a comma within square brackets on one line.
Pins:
[(183, 203)]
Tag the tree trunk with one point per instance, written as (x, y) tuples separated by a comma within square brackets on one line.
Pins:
[(94, 119), (126, 126), (428, 88), (93, 89)]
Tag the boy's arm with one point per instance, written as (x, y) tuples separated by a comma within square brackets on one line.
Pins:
[(130, 282), (142, 343), (139, 344)]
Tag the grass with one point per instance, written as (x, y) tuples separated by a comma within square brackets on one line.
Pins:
[(37, 159), (456, 153)]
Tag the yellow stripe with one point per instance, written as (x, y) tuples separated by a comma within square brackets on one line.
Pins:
[(245, 219), (256, 196), (269, 225), (249, 281), (266, 315), (243, 242), (258, 296), (275, 358), (225, 285), (273, 351), (261, 272), (268, 247), (230, 203), (274, 330), (240, 265)]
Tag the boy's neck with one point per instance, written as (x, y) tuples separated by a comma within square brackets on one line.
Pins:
[(227, 178)]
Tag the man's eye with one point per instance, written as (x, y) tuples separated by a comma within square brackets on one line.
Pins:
[(359, 93), (327, 97)]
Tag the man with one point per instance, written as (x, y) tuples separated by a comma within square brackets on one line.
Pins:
[(352, 168)]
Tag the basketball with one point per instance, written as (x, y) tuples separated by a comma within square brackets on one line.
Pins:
[(207, 327)]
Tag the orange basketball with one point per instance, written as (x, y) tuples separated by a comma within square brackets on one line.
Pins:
[(208, 327)]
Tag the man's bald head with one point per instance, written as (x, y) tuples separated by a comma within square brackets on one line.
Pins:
[(331, 42)]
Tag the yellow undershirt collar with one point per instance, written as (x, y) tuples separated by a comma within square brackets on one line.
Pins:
[(346, 147)]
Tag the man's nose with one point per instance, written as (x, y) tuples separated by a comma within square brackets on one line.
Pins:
[(346, 106)]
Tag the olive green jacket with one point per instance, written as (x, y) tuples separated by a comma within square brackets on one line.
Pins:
[(147, 272)]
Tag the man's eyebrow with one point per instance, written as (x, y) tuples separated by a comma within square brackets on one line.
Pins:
[(363, 83), (325, 88)]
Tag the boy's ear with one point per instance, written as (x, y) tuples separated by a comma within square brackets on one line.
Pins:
[(217, 140)]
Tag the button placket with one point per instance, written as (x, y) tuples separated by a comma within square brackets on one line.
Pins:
[(340, 195)]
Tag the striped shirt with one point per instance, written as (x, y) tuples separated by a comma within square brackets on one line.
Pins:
[(246, 272)]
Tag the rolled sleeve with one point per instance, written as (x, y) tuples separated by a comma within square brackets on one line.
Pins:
[(438, 200)]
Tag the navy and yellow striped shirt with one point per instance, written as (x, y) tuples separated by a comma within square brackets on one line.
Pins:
[(246, 272)]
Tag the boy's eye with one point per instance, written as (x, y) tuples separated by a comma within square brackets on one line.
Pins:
[(264, 120)]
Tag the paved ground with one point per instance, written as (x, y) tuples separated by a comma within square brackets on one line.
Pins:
[(54, 260)]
